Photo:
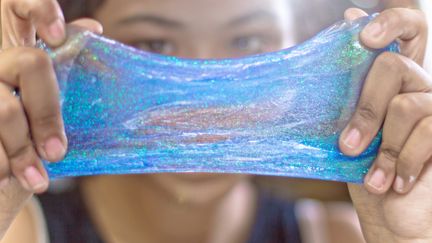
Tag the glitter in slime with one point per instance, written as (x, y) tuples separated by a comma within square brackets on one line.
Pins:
[(279, 113)]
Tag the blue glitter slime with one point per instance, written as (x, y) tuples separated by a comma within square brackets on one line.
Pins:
[(280, 113)]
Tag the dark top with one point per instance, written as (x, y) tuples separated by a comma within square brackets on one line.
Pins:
[(69, 222)]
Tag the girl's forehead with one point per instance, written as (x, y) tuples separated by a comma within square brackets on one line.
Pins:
[(193, 10)]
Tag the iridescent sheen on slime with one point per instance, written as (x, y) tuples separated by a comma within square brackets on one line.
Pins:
[(279, 113)]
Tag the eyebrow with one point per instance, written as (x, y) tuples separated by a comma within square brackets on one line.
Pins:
[(262, 14), (157, 20)]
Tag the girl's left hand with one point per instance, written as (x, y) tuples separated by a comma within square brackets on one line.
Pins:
[(397, 96)]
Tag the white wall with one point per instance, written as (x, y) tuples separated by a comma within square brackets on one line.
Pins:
[(426, 6)]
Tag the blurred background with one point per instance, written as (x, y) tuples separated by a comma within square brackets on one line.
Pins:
[(314, 15)]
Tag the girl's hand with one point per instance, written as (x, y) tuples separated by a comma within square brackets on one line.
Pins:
[(392, 217), (31, 125), (397, 93), (397, 96)]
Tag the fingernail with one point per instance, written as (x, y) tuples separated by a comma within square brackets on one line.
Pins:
[(353, 138), (54, 149), (377, 180), (56, 30), (373, 30), (34, 179), (399, 184)]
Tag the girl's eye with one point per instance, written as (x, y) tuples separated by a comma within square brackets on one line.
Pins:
[(156, 46), (248, 44)]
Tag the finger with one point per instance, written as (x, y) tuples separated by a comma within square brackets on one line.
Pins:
[(404, 112), (390, 75), (407, 25), (20, 20), (381, 174), (14, 134), (89, 24), (354, 13), (415, 154), (31, 71)]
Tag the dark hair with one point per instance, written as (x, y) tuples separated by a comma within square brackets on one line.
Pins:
[(74, 9)]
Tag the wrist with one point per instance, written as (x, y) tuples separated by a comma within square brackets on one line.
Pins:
[(382, 235)]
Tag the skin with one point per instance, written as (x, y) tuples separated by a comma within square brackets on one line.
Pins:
[(401, 108), (401, 214), (398, 214)]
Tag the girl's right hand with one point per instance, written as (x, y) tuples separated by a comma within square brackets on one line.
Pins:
[(31, 125)]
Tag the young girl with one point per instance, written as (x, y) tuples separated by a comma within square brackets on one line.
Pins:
[(205, 207)]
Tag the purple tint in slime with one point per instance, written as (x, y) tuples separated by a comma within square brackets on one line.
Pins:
[(280, 113)]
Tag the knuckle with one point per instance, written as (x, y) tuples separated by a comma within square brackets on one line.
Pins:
[(47, 119), (31, 58), (404, 161), (387, 157), (390, 153), (9, 110), (366, 111), (392, 62), (404, 104), (392, 13), (21, 156), (390, 16)]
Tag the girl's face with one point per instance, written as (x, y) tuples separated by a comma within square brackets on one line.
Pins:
[(198, 29)]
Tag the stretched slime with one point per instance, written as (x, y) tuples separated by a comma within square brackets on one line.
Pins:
[(279, 113)]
